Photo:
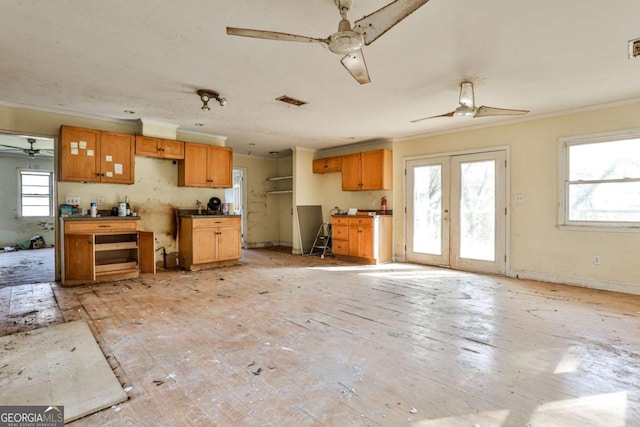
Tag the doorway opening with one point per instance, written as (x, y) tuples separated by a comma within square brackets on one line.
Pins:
[(27, 209), (456, 211), (238, 193)]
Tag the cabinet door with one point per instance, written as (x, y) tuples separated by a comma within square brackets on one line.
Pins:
[(80, 154), (376, 170), (354, 240), (204, 244), (146, 252), (192, 171), (351, 172), (172, 149), (117, 158), (79, 257), (146, 146), (328, 165), (229, 244), (220, 163), (365, 247)]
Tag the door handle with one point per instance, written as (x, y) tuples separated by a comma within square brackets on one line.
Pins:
[(445, 217)]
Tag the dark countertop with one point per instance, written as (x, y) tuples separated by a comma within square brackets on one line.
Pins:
[(98, 218), (193, 213), (367, 213)]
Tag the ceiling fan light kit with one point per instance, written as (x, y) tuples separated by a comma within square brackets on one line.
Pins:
[(207, 95), (348, 40)]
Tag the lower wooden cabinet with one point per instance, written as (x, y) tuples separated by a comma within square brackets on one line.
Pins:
[(105, 249), (362, 238), (209, 241)]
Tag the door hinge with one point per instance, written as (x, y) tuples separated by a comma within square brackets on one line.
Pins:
[(505, 211), (505, 163), (505, 258)]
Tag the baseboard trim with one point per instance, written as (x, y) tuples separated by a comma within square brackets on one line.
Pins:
[(603, 285)]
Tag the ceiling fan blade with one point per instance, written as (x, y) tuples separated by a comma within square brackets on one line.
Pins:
[(355, 64), (491, 111), (433, 117), (379, 22), (272, 35)]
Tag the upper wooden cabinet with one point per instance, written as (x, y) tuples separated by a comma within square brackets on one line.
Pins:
[(89, 155), (205, 166), (370, 170), (158, 147), (328, 165)]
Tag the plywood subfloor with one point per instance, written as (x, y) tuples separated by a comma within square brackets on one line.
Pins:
[(59, 365), (286, 340)]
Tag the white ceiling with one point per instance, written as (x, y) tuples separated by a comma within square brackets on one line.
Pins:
[(101, 58)]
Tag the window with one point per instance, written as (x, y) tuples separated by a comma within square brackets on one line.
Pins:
[(35, 195), (600, 181)]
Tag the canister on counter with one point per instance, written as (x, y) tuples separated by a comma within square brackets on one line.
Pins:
[(122, 209)]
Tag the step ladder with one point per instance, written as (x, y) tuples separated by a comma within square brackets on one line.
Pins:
[(322, 242)]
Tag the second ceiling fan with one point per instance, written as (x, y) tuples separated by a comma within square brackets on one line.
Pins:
[(348, 40), (468, 107)]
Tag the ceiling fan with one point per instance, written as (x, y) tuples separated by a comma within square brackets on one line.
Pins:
[(31, 152), (468, 108), (348, 40)]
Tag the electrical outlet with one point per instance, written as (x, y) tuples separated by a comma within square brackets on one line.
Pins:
[(100, 201), (597, 260), (519, 198), (72, 200)]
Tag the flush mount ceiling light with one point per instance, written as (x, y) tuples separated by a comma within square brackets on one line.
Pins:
[(207, 95)]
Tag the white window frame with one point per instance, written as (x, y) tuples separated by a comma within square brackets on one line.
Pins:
[(563, 183), (50, 195)]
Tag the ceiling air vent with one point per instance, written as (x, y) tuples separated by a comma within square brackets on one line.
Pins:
[(634, 48), (288, 100)]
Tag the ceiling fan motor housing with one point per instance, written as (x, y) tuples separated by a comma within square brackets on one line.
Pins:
[(345, 40)]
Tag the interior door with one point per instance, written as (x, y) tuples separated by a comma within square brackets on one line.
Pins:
[(456, 211)]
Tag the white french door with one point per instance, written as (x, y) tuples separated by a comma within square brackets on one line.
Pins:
[(456, 211)]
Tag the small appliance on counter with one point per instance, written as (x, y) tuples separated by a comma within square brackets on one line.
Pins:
[(215, 205)]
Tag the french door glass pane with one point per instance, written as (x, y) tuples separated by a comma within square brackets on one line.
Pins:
[(427, 210), (477, 210)]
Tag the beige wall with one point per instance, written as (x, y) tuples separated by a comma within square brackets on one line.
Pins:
[(538, 248)]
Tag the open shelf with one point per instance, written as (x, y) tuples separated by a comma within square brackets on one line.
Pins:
[(278, 188), (115, 246), (280, 178)]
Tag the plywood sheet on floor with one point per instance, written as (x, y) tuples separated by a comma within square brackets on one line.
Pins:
[(57, 365)]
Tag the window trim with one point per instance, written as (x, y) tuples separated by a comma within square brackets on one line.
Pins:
[(563, 183), (51, 194)]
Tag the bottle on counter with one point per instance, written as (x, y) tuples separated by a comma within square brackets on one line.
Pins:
[(94, 210), (126, 200)]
